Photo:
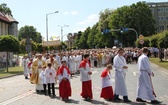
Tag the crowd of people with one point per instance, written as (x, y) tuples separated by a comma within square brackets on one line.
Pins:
[(46, 70)]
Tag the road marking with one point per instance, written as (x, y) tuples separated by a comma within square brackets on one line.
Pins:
[(16, 98), (135, 73)]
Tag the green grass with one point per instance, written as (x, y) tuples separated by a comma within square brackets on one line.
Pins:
[(11, 71), (163, 64)]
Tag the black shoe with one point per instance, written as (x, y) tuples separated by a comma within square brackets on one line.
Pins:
[(127, 100), (87, 99), (140, 100), (156, 102), (117, 99)]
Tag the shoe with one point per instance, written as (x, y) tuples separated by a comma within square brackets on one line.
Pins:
[(117, 99), (127, 100), (140, 100), (87, 99), (156, 102)]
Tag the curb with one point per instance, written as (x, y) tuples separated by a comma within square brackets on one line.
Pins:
[(11, 75), (152, 64)]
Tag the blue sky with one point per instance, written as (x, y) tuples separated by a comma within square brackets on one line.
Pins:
[(78, 14)]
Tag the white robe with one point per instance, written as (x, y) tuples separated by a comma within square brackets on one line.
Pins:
[(144, 89), (43, 77), (65, 75), (120, 73), (25, 63), (72, 64), (58, 60), (40, 85), (78, 62), (84, 73), (50, 78), (106, 81)]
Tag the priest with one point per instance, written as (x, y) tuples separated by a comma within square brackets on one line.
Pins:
[(36, 69)]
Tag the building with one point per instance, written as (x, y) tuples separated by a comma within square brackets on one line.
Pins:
[(160, 14), (8, 26)]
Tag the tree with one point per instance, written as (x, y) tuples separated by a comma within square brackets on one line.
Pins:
[(8, 44), (154, 40), (83, 39), (5, 9), (30, 31), (77, 38), (163, 40), (132, 17)]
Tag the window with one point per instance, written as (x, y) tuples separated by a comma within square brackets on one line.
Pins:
[(166, 18), (160, 10), (166, 9), (160, 18)]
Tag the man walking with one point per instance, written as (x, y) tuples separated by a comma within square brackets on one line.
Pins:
[(145, 88), (120, 68)]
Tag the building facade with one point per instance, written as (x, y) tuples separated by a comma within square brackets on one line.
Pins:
[(8, 25), (160, 14)]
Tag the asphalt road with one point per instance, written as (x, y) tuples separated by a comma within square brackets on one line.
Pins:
[(18, 91)]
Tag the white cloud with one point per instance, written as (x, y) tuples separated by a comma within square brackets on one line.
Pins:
[(74, 12), (66, 13), (90, 19)]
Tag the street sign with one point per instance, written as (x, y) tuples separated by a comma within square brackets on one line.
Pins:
[(141, 41), (140, 36)]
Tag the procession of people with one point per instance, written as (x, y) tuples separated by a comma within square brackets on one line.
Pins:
[(46, 70)]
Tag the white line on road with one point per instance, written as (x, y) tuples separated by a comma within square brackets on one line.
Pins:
[(135, 73), (16, 98)]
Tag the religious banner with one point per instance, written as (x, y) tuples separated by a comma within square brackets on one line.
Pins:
[(51, 43)]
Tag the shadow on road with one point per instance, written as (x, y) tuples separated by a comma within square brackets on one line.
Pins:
[(94, 102), (72, 101)]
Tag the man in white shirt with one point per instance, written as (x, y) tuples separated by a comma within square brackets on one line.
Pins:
[(145, 88)]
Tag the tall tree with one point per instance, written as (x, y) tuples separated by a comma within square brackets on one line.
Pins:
[(30, 31), (5, 9), (83, 38)]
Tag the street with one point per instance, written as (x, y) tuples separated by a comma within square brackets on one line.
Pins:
[(18, 91)]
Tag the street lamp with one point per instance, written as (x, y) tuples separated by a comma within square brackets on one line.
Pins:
[(62, 30), (47, 22)]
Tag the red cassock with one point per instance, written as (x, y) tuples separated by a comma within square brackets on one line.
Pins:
[(106, 92), (86, 85), (64, 85), (87, 89)]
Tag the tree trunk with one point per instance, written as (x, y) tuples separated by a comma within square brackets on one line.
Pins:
[(7, 61)]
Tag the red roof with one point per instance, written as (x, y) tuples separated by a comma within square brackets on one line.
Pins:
[(4, 18)]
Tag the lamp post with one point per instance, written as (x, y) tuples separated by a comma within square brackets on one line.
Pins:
[(62, 30), (47, 22)]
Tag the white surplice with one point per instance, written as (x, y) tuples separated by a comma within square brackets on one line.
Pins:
[(120, 73), (106, 81), (144, 89), (84, 73), (50, 78), (64, 75)]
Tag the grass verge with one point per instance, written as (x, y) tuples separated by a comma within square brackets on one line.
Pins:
[(11, 71), (163, 64)]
